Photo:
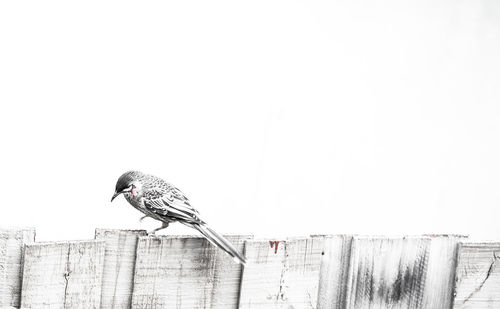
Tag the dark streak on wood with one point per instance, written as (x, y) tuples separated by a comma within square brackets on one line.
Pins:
[(374, 286), (66, 276)]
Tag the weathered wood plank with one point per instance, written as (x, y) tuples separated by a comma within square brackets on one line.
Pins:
[(441, 265), (62, 274), (119, 265), (334, 271), (185, 272), (282, 274), (12, 243), (387, 272), (477, 282)]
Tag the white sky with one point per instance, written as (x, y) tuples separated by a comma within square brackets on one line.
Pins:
[(274, 117)]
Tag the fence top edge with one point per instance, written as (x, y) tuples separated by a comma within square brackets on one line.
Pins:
[(149, 236), (283, 239), (406, 236), (98, 229), (481, 243), (66, 242), (332, 235), (389, 237), (447, 235), (17, 229)]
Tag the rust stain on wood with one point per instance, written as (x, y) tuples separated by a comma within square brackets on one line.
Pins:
[(387, 272), (284, 278), (274, 244)]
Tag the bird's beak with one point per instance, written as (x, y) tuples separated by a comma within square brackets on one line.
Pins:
[(115, 195)]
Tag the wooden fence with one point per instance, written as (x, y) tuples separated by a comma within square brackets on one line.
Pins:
[(129, 269)]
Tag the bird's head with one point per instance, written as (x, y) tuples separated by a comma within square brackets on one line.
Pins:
[(128, 183)]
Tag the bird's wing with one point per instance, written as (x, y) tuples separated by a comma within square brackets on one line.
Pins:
[(172, 204)]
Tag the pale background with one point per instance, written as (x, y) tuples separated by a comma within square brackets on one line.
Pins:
[(274, 117)]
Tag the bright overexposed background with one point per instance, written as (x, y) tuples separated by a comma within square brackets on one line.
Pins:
[(274, 117)]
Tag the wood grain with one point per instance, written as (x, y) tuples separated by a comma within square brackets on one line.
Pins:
[(12, 243), (282, 274), (387, 272), (63, 274), (477, 282), (185, 272), (119, 265), (441, 265), (334, 271)]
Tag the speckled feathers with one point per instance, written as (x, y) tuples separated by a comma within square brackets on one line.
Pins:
[(162, 201)]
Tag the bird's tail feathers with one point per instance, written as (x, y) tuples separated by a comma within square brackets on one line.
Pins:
[(219, 241)]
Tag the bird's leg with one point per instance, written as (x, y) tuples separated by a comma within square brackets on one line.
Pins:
[(142, 218), (163, 226)]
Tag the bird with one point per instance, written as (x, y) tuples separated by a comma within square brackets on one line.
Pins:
[(160, 200)]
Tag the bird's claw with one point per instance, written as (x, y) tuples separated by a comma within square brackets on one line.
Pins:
[(153, 232), (142, 218), (164, 225)]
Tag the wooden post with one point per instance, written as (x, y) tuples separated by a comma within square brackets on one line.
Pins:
[(281, 274), (185, 272), (119, 265), (477, 282), (62, 274), (387, 272), (334, 272), (441, 265), (12, 243)]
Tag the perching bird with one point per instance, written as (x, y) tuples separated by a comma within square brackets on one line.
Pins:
[(162, 201)]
